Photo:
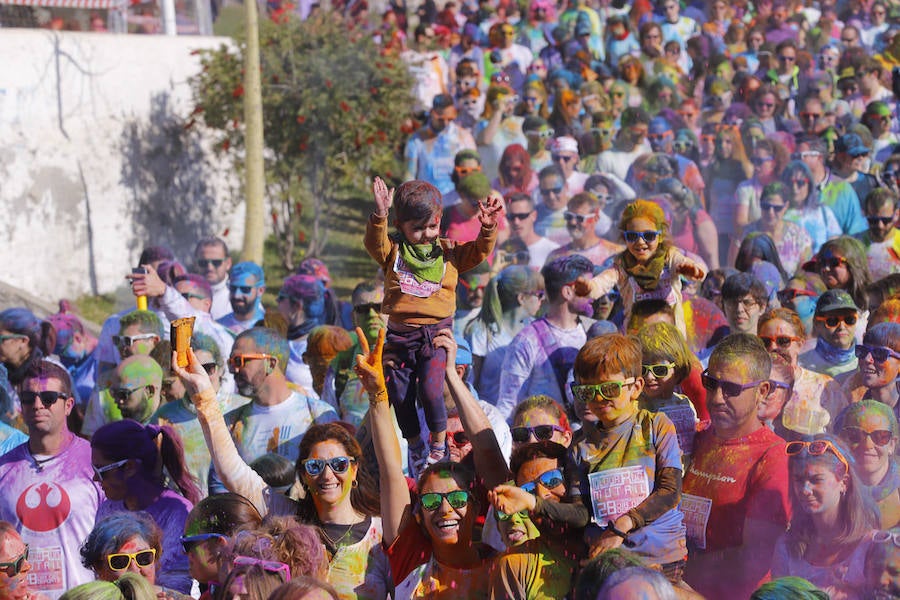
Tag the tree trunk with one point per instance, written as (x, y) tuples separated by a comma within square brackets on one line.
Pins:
[(254, 220)]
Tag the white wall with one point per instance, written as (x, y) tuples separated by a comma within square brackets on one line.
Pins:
[(95, 162)]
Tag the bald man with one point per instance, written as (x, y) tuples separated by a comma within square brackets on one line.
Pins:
[(138, 389)]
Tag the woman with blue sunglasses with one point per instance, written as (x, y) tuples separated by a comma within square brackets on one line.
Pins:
[(878, 366), (340, 496)]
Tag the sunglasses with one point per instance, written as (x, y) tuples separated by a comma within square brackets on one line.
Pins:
[(241, 289), (579, 219), (189, 295), (122, 560), (543, 133), (270, 566), (205, 263), (856, 436), (767, 206), (834, 321), (729, 388), (520, 257), (433, 500), (785, 58), (549, 480), (800, 183), (766, 104), (548, 191), (123, 341), (810, 116), (884, 221), (608, 390), (611, 296), (210, 367), (15, 567), (364, 309), (316, 466), (759, 161), (658, 137), (100, 472), (122, 394), (660, 371), (831, 262), (460, 438), (565, 159), (879, 354), (790, 294), (464, 171), (189, 542), (502, 516), (782, 341), (542, 433), (633, 236), (239, 361), (816, 448), (48, 398), (883, 537), (519, 216)]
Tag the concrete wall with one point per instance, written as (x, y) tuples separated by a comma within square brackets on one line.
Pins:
[(95, 162)]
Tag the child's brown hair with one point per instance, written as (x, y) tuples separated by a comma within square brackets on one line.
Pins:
[(609, 354), (416, 200)]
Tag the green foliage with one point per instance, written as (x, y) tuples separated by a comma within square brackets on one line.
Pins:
[(333, 107)]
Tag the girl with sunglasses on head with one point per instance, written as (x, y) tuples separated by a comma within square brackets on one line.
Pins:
[(627, 444), (805, 206), (649, 268), (125, 543), (430, 541), (512, 299), (666, 362), (815, 399), (878, 366), (341, 497), (792, 244), (208, 530), (833, 519), (129, 460), (870, 430), (541, 525)]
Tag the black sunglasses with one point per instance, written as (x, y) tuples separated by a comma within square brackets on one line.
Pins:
[(364, 309), (729, 388), (204, 263), (885, 221), (543, 433), (48, 397), (633, 236)]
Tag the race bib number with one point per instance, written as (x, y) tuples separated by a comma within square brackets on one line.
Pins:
[(696, 516), (412, 286), (685, 425), (616, 491), (47, 566)]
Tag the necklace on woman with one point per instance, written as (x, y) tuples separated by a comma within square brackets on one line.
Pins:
[(336, 543)]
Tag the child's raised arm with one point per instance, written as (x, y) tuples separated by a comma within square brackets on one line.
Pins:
[(687, 267), (384, 197)]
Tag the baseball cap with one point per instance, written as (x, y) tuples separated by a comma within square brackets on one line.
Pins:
[(850, 143), (835, 300)]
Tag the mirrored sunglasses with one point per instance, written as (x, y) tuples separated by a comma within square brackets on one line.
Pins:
[(339, 464), (433, 500), (549, 480)]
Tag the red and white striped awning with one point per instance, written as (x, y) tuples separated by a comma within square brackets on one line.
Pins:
[(91, 4)]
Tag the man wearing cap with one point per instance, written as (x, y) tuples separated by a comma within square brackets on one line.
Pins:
[(564, 154), (849, 164), (630, 143), (552, 198), (882, 239), (211, 260), (430, 151), (301, 301), (879, 118), (662, 139), (837, 195), (246, 285), (834, 326)]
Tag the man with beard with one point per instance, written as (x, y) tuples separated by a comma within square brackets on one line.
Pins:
[(138, 391), (581, 220), (277, 416), (247, 284), (540, 357), (882, 240)]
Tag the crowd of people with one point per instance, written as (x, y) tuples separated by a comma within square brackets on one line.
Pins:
[(632, 329)]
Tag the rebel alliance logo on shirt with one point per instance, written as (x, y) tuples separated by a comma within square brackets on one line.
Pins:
[(43, 506)]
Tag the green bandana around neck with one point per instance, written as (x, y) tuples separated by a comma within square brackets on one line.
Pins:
[(425, 261), (646, 276)]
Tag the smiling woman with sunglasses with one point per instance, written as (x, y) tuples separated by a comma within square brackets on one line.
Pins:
[(870, 430), (878, 365), (832, 520), (816, 399), (341, 497), (805, 205), (792, 244)]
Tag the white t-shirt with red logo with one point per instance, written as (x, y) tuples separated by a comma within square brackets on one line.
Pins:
[(53, 503)]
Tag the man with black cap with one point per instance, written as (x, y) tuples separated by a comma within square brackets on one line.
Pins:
[(430, 151), (849, 164), (834, 326)]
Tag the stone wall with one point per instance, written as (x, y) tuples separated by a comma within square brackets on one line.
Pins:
[(95, 162)]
